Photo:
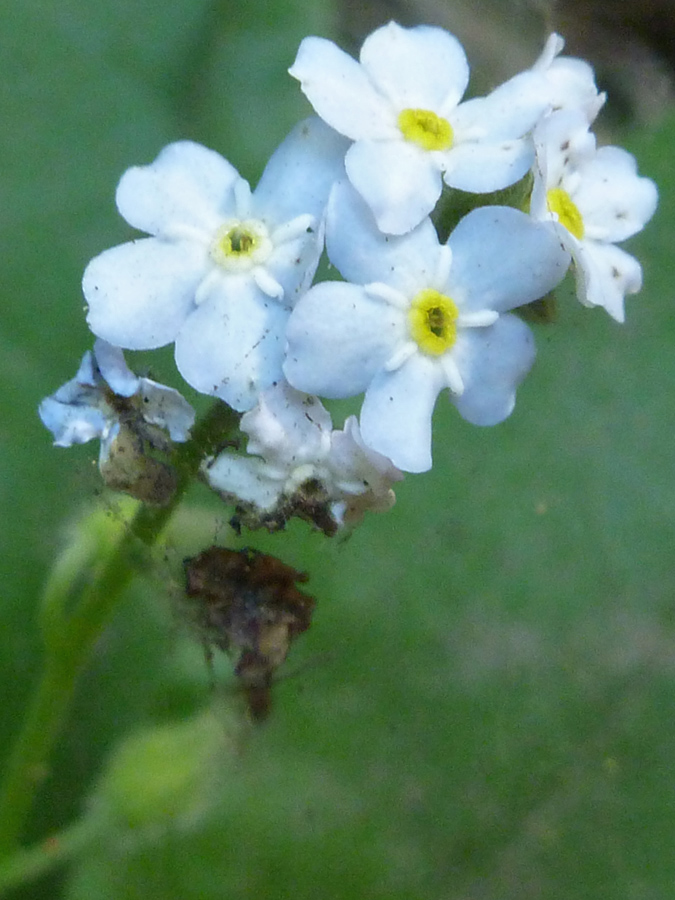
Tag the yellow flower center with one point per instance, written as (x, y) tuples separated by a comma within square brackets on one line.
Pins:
[(240, 245), (560, 203), (426, 129), (433, 322)]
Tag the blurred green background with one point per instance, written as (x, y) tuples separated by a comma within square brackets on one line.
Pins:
[(484, 707)]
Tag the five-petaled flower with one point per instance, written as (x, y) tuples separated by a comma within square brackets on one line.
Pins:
[(223, 267), (400, 104), (420, 316)]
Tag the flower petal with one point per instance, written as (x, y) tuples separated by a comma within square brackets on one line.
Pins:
[(570, 83), (605, 274), (167, 408), (397, 410), (563, 143), (358, 468), (507, 113), (140, 293), (399, 181), (362, 254), (501, 258), (112, 366), (481, 167), (293, 264), (418, 68), (300, 173), (614, 201), (338, 338), (72, 423), (340, 91), (186, 186), (245, 479), (492, 361), (232, 345), (288, 428)]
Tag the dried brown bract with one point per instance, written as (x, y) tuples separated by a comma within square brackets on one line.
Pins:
[(309, 502), (247, 604)]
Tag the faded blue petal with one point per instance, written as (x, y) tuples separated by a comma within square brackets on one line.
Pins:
[(501, 259), (492, 362), (113, 367), (338, 339), (187, 185), (140, 293), (362, 254), (232, 346), (397, 410), (300, 173)]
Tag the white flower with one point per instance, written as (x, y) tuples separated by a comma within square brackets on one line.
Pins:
[(361, 478), (595, 199), (130, 415), (570, 82), (400, 104), (300, 466), (419, 317), (223, 266)]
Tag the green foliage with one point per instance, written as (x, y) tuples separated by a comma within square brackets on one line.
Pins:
[(484, 705)]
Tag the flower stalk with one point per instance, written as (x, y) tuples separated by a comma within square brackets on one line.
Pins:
[(77, 610)]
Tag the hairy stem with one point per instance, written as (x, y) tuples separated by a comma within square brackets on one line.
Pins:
[(90, 611)]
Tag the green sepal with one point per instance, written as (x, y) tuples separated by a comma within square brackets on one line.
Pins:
[(455, 204), (164, 772)]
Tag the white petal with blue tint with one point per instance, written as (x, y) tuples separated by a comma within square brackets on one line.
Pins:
[(341, 92), (187, 186), (232, 345), (339, 336), (503, 259), (493, 361), (397, 409), (139, 294), (399, 181), (357, 249), (422, 67)]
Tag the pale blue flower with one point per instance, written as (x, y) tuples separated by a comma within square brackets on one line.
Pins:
[(400, 104), (420, 316), (103, 393), (223, 267)]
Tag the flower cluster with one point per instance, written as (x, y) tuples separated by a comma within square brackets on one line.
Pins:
[(429, 300)]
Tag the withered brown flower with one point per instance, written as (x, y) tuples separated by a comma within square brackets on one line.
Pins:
[(247, 604)]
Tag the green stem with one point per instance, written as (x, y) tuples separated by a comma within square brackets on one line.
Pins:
[(26, 865), (68, 651)]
